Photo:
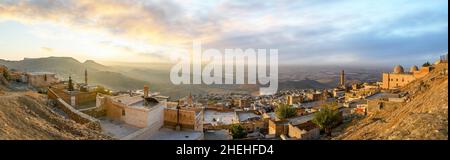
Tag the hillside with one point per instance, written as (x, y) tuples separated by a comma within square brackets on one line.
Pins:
[(425, 117), (24, 116), (66, 66)]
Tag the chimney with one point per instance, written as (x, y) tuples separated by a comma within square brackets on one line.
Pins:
[(145, 91)]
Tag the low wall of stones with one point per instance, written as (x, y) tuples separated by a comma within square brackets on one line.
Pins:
[(96, 112)]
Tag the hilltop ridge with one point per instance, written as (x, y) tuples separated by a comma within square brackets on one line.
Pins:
[(425, 116)]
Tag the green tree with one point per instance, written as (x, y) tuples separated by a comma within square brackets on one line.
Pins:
[(102, 90), (237, 131), (284, 111), (427, 64), (327, 117)]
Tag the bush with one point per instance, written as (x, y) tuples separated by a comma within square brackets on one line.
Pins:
[(237, 131), (102, 90), (284, 111), (327, 117)]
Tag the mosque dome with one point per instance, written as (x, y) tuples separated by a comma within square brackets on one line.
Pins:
[(414, 69), (398, 69)]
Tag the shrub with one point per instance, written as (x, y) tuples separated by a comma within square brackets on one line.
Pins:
[(237, 131), (284, 111), (327, 117)]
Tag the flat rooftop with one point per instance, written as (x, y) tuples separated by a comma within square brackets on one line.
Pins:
[(306, 126), (301, 119), (244, 116), (116, 129), (224, 117), (134, 101), (217, 135), (169, 134), (41, 73)]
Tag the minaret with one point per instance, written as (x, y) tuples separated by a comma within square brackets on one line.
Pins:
[(342, 84), (146, 90), (190, 100), (85, 77)]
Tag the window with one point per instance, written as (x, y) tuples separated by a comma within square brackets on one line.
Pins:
[(123, 112)]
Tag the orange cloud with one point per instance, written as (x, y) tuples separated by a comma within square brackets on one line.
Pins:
[(151, 22)]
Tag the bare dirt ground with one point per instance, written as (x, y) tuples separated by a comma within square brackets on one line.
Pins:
[(425, 117), (25, 116)]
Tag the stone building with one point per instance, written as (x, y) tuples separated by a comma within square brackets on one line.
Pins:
[(399, 77), (183, 118), (77, 98), (304, 131), (289, 100), (314, 96), (41, 79), (135, 110)]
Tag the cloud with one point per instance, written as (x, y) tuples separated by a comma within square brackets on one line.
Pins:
[(153, 21), (47, 49), (310, 32)]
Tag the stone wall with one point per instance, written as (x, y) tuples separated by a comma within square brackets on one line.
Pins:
[(254, 126), (42, 80), (380, 104), (74, 114), (81, 98), (120, 112), (94, 112), (137, 116), (299, 134), (187, 119), (278, 128)]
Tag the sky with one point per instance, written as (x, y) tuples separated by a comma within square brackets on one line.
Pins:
[(306, 32)]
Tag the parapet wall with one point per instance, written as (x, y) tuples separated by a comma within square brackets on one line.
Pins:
[(187, 119)]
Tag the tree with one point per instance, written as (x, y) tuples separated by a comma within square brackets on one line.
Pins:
[(427, 64), (6, 75), (327, 117), (284, 111), (102, 90), (237, 131)]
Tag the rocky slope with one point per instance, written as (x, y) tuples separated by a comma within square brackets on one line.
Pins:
[(424, 117), (24, 116)]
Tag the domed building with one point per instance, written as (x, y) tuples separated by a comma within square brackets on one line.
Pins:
[(399, 77), (414, 69), (398, 69)]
